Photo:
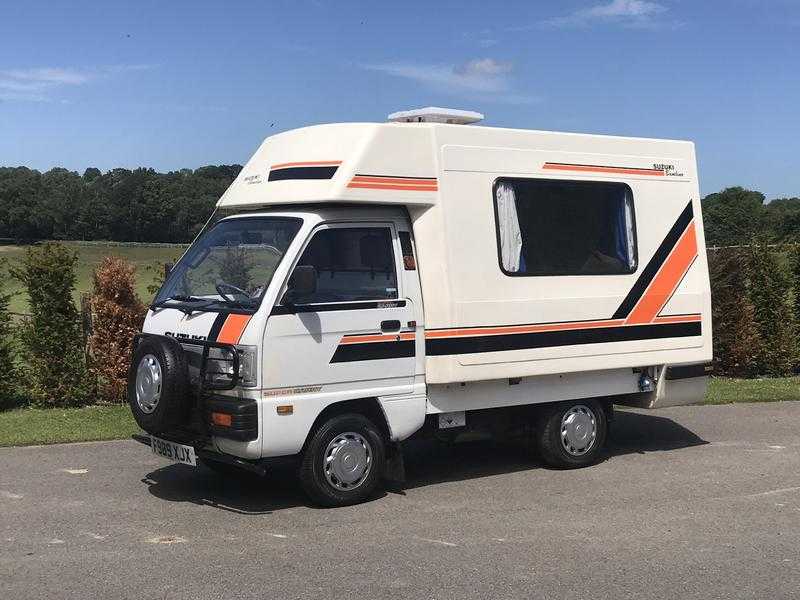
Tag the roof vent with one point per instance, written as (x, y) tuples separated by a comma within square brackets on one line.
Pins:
[(434, 114)]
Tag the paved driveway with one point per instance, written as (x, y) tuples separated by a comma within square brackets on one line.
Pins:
[(691, 502)]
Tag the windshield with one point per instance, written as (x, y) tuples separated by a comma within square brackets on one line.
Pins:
[(231, 264)]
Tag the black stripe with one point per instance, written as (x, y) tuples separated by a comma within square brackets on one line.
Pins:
[(655, 263), (373, 351), (216, 327), (393, 176), (307, 308), (302, 173), (549, 339)]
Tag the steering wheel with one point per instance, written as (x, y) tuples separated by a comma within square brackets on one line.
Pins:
[(231, 288)]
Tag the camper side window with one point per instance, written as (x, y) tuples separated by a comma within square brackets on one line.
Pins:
[(351, 264), (547, 227)]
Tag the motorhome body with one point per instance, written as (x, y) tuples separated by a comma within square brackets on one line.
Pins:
[(400, 273)]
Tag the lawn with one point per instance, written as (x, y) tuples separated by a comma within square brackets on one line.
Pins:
[(726, 391), (26, 426), (89, 256)]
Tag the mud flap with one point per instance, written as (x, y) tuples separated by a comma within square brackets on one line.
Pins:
[(395, 473)]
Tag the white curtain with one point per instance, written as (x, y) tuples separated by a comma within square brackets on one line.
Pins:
[(629, 232), (510, 235)]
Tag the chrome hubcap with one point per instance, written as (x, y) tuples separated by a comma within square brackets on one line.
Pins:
[(347, 461), (578, 430), (148, 383)]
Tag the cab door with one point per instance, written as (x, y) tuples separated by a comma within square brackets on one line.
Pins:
[(353, 336)]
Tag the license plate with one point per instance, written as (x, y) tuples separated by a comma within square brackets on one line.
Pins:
[(172, 451)]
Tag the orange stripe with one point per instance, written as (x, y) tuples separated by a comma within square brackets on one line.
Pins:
[(598, 169), (521, 329), (308, 163), (232, 329), (678, 319), (667, 279), (375, 186), (361, 339), (403, 180)]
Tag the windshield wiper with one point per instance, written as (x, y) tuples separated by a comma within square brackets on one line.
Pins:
[(194, 303), (236, 303)]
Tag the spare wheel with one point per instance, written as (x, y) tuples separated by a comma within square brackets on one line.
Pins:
[(158, 384)]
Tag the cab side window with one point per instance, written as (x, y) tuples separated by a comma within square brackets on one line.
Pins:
[(351, 264)]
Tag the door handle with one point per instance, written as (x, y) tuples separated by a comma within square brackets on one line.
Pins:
[(390, 325)]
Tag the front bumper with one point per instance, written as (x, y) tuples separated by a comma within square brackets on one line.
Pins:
[(257, 467)]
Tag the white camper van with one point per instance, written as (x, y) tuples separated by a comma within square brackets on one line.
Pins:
[(362, 283)]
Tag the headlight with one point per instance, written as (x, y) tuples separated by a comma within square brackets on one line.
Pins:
[(219, 368), (248, 365)]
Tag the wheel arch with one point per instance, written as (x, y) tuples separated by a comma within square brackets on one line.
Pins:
[(368, 407)]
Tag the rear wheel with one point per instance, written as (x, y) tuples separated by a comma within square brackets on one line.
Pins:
[(344, 461), (571, 434)]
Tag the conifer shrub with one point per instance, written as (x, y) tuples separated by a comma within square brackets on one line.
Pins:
[(737, 339), (117, 315), (8, 379), (773, 302), (53, 364)]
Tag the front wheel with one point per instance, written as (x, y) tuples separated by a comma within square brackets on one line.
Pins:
[(343, 461), (571, 434)]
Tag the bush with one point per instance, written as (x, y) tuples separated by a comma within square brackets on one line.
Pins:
[(737, 340), (54, 365), (772, 297), (117, 315), (8, 379)]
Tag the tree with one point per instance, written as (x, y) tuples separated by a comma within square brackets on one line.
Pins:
[(737, 340), (121, 204), (733, 216), (771, 295), (53, 358), (117, 315), (783, 219), (8, 378)]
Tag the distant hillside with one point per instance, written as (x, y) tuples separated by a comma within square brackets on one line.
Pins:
[(141, 205)]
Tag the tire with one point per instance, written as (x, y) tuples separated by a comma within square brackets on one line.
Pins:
[(327, 482), (563, 434), (158, 385)]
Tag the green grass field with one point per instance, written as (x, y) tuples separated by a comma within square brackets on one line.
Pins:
[(89, 256), (727, 391), (27, 426)]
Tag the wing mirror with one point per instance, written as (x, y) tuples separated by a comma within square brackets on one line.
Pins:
[(303, 282)]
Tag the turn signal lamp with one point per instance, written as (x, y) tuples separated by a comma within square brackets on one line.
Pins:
[(222, 419)]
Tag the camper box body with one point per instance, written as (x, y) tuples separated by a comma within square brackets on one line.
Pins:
[(476, 331), (450, 176)]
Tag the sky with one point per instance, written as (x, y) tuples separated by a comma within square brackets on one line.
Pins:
[(176, 84)]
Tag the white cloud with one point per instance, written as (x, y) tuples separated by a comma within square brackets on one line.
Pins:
[(631, 13), (35, 84), (485, 76)]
